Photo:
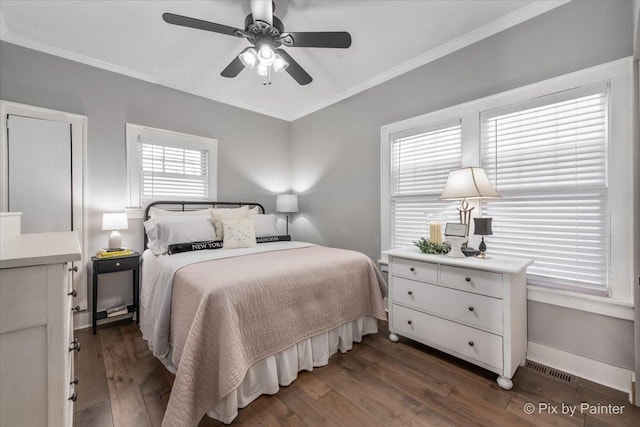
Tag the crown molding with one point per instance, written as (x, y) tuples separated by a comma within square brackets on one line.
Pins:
[(13, 38), (514, 18)]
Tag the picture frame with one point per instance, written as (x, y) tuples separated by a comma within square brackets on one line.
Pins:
[(455, 229)]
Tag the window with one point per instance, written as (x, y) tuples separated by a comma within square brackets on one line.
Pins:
[(560, 152), (420, 163), (164, 165), (548, 160)]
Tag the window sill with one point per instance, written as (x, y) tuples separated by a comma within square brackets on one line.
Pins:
[(621, 309)]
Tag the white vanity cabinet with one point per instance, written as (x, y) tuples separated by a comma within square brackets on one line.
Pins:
[(36, 329), (472, 308)]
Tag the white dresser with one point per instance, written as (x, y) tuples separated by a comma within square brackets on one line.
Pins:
[(36, 328), (472, 308)]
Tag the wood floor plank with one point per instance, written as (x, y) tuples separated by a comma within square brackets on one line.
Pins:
[(346, 411), (305, 407), (98, 415), (89, 369), (311, 385), (275, 413)]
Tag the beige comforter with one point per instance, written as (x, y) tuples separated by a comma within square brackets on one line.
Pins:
[(227, 314)]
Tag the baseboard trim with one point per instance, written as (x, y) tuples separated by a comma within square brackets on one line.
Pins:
[(592, 370)]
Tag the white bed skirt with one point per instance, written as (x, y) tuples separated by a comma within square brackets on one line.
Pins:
[(266, 375)]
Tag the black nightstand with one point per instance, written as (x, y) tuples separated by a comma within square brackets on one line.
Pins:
[(112, 265)]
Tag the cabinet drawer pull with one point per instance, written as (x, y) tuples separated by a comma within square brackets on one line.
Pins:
[(410, 292), (74, 382), (74, 397), (410, 322), (76, 308), (412, 269), (468, 279), (117, 264), (471, 343), (75, 346), (471, 308), (73, 293), (74, 269)]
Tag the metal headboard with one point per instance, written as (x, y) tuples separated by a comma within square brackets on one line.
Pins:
[(185, 205)]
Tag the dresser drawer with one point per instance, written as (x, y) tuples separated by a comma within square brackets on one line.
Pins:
[(416, 270), (476, 281), (463, 307), (464, 341), (112, 265)]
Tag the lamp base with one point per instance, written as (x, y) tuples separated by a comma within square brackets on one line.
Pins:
[(115, 240)]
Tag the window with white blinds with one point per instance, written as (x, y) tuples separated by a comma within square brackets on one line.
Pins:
[(173, 173), (420, 164), (548, 160), (165, 165)]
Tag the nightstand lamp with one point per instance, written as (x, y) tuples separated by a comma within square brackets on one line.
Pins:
[(287, 203), (115, 222), (482, 228)]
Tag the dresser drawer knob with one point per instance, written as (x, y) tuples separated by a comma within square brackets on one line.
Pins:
[(117, 264), (410, 322), (73, 293), (410, 292), (75, 346), (468, 279), (74, 269), (74, 382), (412, 269), (471, 308), (76, 308), (471, 343), (74, 397)]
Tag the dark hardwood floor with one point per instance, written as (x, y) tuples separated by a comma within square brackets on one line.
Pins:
[(378, 383)]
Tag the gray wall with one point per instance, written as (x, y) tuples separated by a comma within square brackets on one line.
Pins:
[(335, 152), (252, 148)]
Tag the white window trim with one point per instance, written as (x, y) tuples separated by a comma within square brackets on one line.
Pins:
[(135, 210), (620, 195)]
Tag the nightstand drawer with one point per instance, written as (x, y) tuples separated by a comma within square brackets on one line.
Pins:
[(415, 270), (118, 264), (476, 281), (464, 341), (463, 307)]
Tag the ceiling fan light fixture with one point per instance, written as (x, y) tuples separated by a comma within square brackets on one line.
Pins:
[(263, 70), (249, 58), (279, 64), (266, 56)]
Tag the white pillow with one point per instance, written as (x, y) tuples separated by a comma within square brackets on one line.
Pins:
[(239, 233), (227, 213), (255, 211), (162, 213), (165, 231), (266, 225)]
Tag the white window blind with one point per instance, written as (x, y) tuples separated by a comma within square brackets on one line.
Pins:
[(169, 172), (420, 163), (548, 160)]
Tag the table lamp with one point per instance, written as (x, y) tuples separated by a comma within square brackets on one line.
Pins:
[(482, 228), (464, 184), (287, 203), (115, 222)]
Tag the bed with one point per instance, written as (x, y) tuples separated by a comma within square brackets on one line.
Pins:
[(235, 323)]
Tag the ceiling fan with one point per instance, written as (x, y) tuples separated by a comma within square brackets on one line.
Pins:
[(266, 33)]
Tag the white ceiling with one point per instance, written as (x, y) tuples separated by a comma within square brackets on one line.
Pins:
[(389, 38)]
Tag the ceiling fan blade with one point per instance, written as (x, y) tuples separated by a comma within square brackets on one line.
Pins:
[(334, 39), (185, 21), (295, 70), (234, 67)]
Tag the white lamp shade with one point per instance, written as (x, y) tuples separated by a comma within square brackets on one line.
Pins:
[(468, 183), (287, 203), (114, 221)]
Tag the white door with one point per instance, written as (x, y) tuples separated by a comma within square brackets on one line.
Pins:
[(40, 179)]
